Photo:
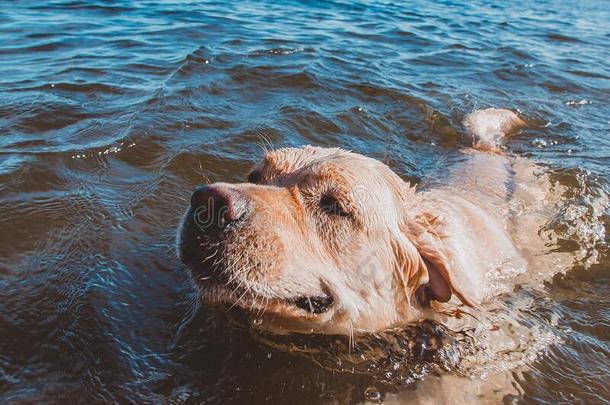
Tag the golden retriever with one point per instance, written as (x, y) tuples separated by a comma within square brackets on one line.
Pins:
[(329, 241)]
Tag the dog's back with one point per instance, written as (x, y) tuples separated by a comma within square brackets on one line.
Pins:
[(493, 208)]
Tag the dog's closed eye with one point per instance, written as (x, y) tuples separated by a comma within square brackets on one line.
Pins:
[(332, 206), (314, 305)]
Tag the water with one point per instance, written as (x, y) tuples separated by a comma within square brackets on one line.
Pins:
[(110, 114)]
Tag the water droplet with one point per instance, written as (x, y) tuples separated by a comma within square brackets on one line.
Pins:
[(539, 142), (372, 394), (578, 102)]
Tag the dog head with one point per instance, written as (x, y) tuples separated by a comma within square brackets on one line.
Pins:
[(319, 240)]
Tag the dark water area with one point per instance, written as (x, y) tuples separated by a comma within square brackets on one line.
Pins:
[(112, 112)]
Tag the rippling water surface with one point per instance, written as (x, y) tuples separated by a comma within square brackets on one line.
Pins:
[(111, 112)]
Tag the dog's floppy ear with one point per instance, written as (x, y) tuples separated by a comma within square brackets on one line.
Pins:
[(426, 235), (410, 270)]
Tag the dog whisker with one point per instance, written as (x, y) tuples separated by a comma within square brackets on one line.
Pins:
[(205, 178), (247, 290), (174, 196), (209, 257)]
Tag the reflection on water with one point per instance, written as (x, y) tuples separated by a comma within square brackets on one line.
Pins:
[(110, 114)]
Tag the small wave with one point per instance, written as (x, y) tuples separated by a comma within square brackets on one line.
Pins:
[(83, 88), (43, 47), (273, 76), (276, 52), (562, 38)]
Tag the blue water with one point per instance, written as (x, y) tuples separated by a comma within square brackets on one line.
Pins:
[(111, 112)]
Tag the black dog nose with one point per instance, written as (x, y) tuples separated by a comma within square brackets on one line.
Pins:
[(217, 205)]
